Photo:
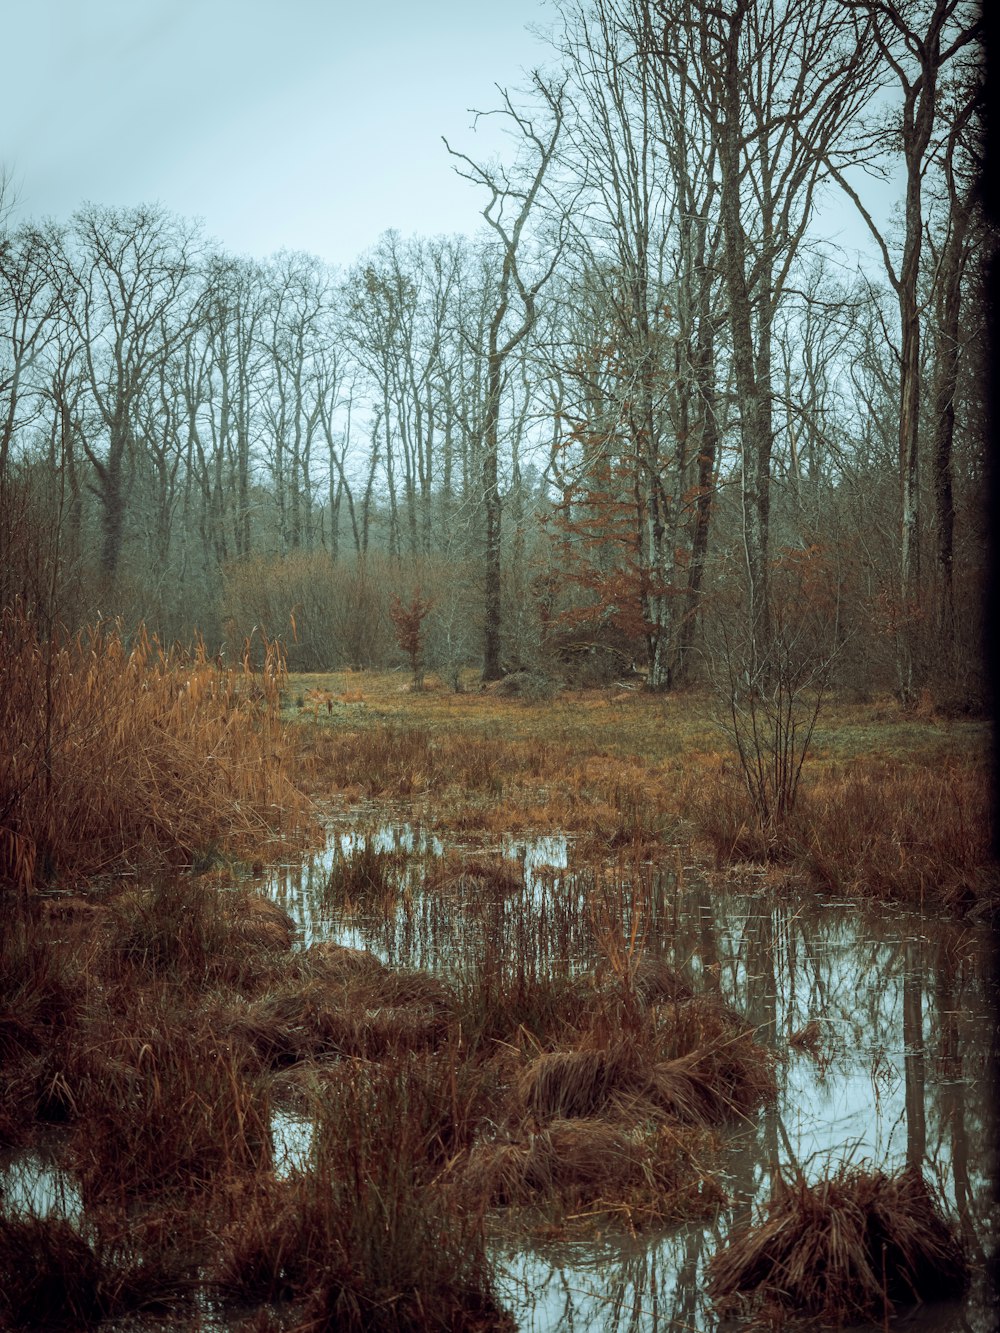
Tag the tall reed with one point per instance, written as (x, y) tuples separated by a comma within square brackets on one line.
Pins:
[(118, 751)]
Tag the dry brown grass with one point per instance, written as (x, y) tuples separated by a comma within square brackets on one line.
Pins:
[(162, 1102), (596, 1169), (560, 1084), (117, 752), (891, 805), (850, 1249), (336, 1002), (197, 934), (475, 875), (55, 1274), (876, 829), (372, 1237), (42, 994), (727, 1076)]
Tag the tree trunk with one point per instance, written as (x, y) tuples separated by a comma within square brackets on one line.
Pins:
[(492, 612)]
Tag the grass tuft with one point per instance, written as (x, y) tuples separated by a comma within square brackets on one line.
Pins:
[(852, 1248)]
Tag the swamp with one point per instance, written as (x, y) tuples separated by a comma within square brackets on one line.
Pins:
[(497, 786), (486, 1012)]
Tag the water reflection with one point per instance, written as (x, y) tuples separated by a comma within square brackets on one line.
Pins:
[(32, 1183), (881, 1023), (291, 1139), (626, 1286)]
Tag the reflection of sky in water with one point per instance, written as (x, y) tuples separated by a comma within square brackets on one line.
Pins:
[(426, 931), (536, 853), (30, 1183), (591, 1287), (903, 1018), (291, 1136)]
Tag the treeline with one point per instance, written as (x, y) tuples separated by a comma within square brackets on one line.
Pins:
[(650, 412)]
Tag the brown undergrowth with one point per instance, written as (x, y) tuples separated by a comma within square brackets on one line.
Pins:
[(167, 1025), (550, 1080), (118, 752)]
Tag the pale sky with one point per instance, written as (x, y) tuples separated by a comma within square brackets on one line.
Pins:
[(284, 124), (301, 124)]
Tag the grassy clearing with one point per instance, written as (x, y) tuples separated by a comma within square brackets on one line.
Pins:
[(891, 806)]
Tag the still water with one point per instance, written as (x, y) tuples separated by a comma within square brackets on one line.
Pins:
[(881, 1021)]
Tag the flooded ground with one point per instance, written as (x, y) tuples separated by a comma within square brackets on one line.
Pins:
[(881, 1021)]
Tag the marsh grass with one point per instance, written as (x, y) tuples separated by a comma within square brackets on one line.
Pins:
[(852, 1248), (691, 1061), (370, 1238), (119, 752), (593, 1171), (366, 876), (888, 806), (41, 997), (367, 1012), (196, 934), (163, 1104), (57, 1274), (563, 1070)]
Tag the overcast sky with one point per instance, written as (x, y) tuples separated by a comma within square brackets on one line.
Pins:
[(303, 124), (299, 124)]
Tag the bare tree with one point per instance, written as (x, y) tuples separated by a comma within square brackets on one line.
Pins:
[(649, 231), (510, 206), (915, 40), (295, 326), (125, 277), (781, 85), (952, 257)]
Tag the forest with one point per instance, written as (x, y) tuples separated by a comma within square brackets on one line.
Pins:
[(496, 827), (653, 408)]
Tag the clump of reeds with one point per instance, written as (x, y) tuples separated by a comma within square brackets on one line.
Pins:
[(163, 1101), (501, 996), (655, 981), (851, 1248), (117, 751), (366, 876), (476, 876), (338, 964), (694, 1062), (369, 1235), (561, 1084), (344, 1003), (650, 1173), (41, 991), (196, 933)]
